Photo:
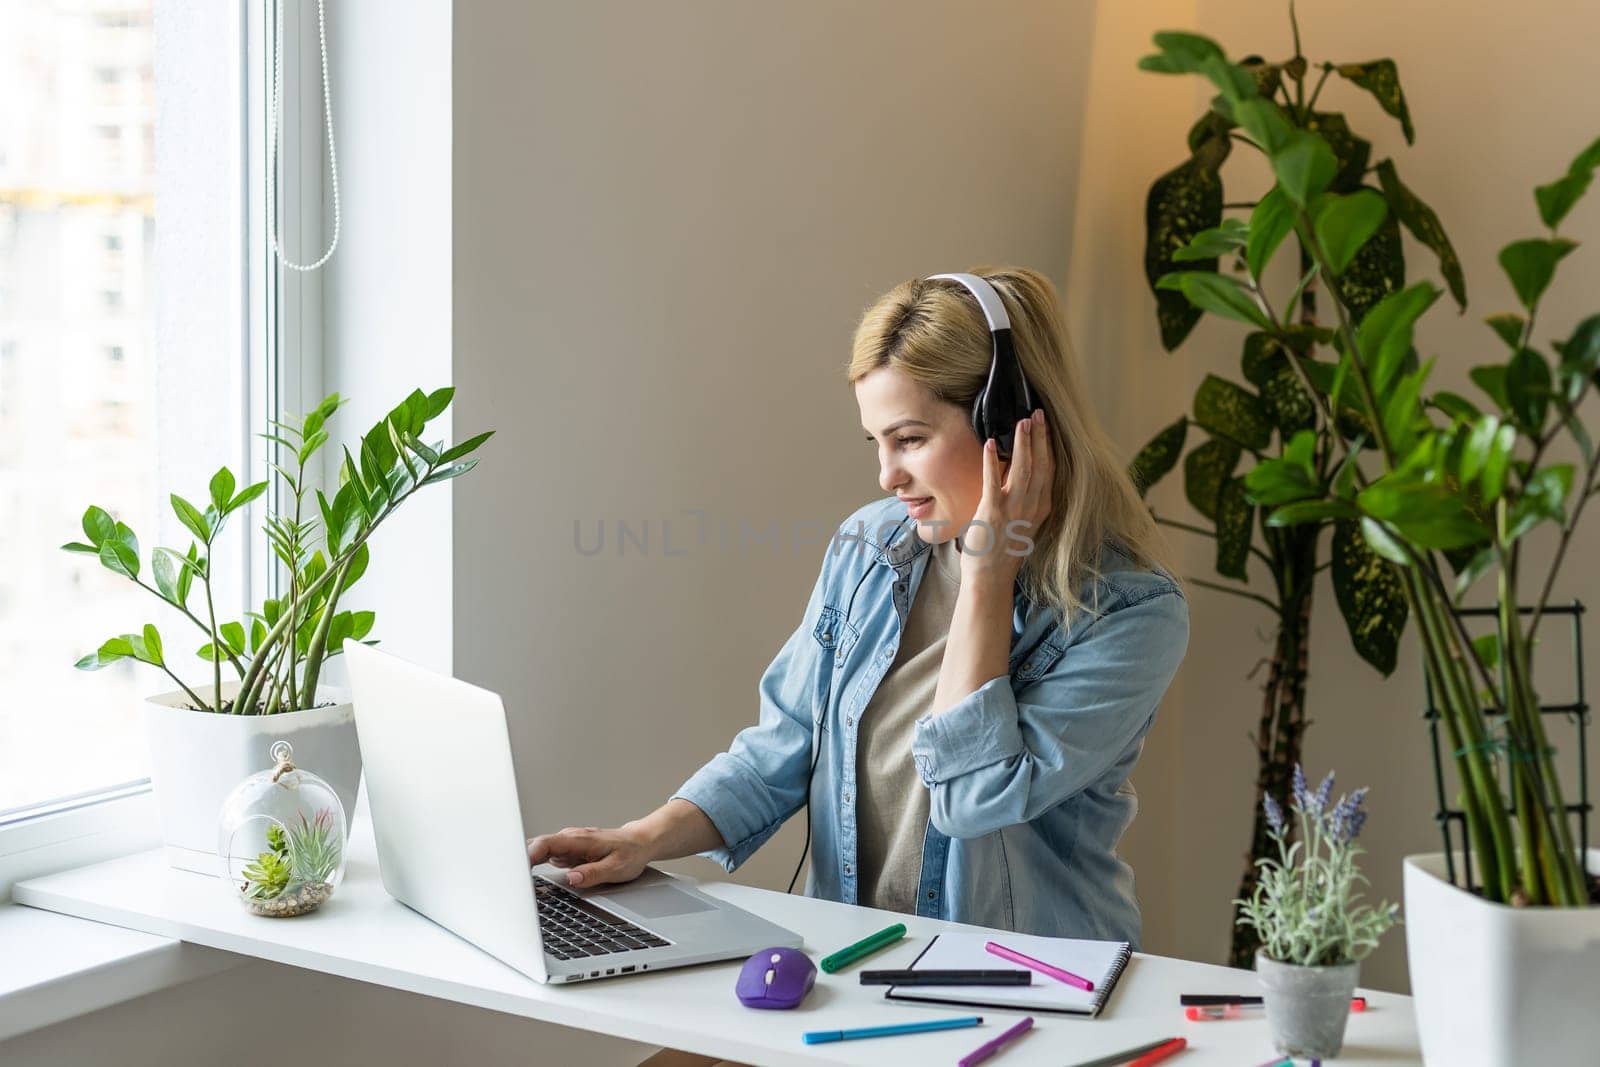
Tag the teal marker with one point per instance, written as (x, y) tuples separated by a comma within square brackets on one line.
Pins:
[(818, 1037), (863, 948)]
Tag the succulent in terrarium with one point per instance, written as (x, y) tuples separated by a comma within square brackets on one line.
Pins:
[(269, 875), (303, 855), (313, 847)]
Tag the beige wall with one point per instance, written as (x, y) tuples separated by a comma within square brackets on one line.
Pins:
[(668, 220)]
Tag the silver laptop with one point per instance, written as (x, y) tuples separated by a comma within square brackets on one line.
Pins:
[(437, 760)]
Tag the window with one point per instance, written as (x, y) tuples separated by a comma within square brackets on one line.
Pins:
[(123, 376)]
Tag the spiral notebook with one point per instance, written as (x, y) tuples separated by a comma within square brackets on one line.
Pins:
[(1101, 962)]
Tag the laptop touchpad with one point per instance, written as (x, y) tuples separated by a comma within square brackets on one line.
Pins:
[(657, 901)]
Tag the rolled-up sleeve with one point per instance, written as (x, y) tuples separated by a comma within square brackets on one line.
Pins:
[(750, 790), (1000, 757)]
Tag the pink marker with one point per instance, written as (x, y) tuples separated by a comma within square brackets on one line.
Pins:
[(1037, 965)]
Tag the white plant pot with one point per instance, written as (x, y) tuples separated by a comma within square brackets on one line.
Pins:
[(197, 757), (1498, 985)]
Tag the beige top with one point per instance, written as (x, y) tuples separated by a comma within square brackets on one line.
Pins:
[(891, 801)]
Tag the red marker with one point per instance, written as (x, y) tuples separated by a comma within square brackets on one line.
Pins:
[(1177, 1044), (1218, 1012)]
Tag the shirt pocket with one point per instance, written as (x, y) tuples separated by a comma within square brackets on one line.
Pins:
[(835, 636), (1040, 660)]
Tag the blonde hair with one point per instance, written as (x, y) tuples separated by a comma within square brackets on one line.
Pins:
[(935, 334)]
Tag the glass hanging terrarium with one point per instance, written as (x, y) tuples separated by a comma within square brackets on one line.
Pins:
[(281, 839)]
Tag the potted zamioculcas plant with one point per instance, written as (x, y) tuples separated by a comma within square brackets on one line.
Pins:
[(263, 673), (1307, 912)]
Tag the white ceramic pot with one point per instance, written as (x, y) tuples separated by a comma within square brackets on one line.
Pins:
[(197, 757), (1497, 985)]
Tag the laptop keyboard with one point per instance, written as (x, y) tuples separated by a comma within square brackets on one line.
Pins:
[(572, 927)]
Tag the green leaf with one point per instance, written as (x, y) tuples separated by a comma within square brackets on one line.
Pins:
[(245, 497), (358, 566), (191, 566), (1343, 224), (1475, 453), (1274, 482), (447, 473), (1381, 78), (258, 635), (1530, 265), (1371, 596), (1233, 412), (1496, 463), (1235, 519), (438, 400), (192, 518), (1543, 499), (1287, 403), (1508, 327), (1474, 568), (110, 652), (1221, 240), (118, 556), (361, 624), (152, 644), (1378, 270), (1425, 513), (416, 412), (352, 475), (1384, 543), (400, 449), (233, 635), (1304, 167), (79, 546), (1384, 336), (1558, 198), (1205, 468), (1181, 203), (221, 489), (165, 572), (1351, 152), (429, 456), (465, 448), (1402, 415), (1311, 511), (1425, 226), (310, 446), (1266, 124), (1491, 378), (98, 525), (1159, 456), (1580, 354), (1458, 407), (1270, 223), (1528, 390)]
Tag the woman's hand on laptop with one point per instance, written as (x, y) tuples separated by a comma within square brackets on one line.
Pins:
[(597, 857), (593, 856)]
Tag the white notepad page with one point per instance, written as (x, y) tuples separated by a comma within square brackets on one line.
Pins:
[(1101, 962)]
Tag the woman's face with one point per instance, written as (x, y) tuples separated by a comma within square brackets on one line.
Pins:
[(926, 448)]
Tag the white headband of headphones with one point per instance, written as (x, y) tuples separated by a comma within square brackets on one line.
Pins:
[(994, 309)]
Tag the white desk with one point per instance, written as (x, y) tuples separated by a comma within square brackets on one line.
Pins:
[(364, 934)]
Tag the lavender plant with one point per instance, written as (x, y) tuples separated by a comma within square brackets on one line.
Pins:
[(1306, 906)]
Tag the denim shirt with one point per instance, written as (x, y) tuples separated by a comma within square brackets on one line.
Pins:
[(1027, 776)]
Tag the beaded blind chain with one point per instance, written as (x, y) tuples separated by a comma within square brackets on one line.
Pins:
[(272, 164)]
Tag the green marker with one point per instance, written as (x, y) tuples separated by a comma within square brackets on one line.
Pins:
[(863, 948)]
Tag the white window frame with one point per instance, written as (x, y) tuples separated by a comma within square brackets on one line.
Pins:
[(281, 343)]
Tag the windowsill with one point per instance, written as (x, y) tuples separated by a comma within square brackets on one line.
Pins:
[(56, 967)]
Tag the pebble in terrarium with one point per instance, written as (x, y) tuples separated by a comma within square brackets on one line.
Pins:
[(281, 839)]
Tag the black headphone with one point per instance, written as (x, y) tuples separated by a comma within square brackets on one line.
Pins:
[(1005, 398), (1004, 401)]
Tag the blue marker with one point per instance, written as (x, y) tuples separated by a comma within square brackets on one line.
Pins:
[(818, 1037)]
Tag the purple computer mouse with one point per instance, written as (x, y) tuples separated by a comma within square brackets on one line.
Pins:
[(776, 978)]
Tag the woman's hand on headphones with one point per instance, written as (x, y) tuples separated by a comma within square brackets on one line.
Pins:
[(1017, 498)]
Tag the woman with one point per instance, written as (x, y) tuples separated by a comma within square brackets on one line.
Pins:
[(978, 664)]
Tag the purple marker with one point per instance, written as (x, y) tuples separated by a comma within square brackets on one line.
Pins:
[(989, 1048)]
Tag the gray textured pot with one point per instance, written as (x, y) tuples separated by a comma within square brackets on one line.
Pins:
[(1307, 1007)]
